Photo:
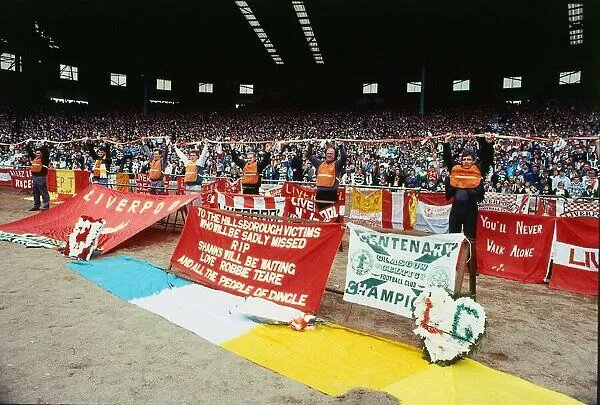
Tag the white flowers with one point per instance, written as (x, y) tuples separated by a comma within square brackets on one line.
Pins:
[(449, 327)]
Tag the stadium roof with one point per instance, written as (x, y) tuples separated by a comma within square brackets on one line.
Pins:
[(357, 36)]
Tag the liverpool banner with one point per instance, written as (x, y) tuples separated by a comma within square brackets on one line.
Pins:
[(388, 271), (125, 214), (515, 203), (514, 246), (251, 204), (576, 257), (282, 262), (568, 207), (307, 209), (290, 189)]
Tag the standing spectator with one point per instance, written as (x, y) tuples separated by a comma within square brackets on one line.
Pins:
[(466, 185), (328, 174), (251, 169), (576, 188), (194, 169), (40, 160), (102, 162), (561, 178), (156, 170)]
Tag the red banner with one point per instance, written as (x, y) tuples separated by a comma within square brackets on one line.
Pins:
[(294, 190), (285, 263), (125, 214), (514, 246), (307, 209), (576, 257), (21, 179)]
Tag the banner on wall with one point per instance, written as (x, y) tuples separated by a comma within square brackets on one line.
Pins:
[(125, 214), (388, 271), (569, 208), (367, 208), (515, 203), (283, 262), (514, 246), (21, 179), (380, 208), (290, 189), (576, 255), (307, 209), (5, 178), (432, 213), (251, 204)]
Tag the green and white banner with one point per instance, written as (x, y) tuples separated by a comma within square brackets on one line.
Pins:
[(388, 271)]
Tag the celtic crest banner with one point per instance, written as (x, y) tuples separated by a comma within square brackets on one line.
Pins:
[(388, 271)]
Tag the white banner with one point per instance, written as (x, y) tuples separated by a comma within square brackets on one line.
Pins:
[(388, 271)]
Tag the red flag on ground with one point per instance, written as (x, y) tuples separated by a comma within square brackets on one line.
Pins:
[(125, 214), (284, 262)]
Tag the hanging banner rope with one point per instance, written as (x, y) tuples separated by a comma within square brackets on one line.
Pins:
[(316, 140)]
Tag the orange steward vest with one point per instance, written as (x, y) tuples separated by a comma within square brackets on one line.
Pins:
[(250, 174), (156, 170), (36, 165), (326, 174), (465, 178), (191, 173)]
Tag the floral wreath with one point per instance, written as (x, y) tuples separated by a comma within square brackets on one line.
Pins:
[(449, 328)]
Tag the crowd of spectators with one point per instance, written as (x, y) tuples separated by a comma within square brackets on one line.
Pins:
[(561, 167)]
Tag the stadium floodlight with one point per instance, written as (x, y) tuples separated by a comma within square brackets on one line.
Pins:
[(69, 72), (118, 79), (575, 23), (163, 84), (369, 88), (45, 36), (461, 85), (414, 87), (309, 34), (259, 31), (8, 61), (512, 82), (205, 88), (572, 77)]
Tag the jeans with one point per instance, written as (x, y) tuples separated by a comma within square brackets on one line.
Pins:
[(40, 188)]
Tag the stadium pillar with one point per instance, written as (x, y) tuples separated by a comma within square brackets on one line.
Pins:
[(422, 95), (146, 80)]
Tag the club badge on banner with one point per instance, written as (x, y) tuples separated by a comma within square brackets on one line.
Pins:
[(388, 271), (125, 214), (283, 262), (576, 255), (514, 246)]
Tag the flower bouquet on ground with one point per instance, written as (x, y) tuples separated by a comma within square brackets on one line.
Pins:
[(449, 328), (263, 311)]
